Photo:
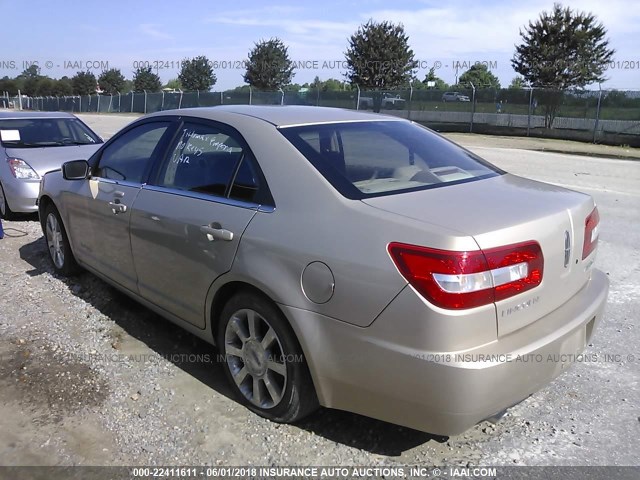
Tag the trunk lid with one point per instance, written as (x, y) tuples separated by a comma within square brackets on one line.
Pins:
[(505, 210), (45, 159)]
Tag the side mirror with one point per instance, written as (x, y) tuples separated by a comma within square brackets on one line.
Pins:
[(75, 170)]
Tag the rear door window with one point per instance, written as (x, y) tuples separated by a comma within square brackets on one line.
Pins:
[(211, 158), (204, 160)]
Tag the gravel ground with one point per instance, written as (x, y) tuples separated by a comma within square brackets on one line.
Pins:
[(89, 377)]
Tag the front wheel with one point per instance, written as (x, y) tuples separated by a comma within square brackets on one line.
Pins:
[(58, 243), (5, 211), (263, 360)]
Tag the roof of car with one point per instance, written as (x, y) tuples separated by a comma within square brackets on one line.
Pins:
[(285, 115), (7, 114)]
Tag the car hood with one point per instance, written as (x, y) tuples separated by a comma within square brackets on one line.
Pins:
[(45, 159), (506, 210)]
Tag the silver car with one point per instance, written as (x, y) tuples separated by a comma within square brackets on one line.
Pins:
[(454, 97), (31, 144), (338, 258)]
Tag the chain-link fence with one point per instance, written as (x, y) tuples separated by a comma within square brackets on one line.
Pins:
[(602, 116)]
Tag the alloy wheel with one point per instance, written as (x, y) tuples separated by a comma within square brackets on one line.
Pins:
[(55, 240), (3, 203), (255, 358)]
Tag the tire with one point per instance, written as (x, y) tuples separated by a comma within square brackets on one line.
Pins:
[(264, 363), (5, 211), (58, 245)]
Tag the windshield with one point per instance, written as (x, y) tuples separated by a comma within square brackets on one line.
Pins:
[(45, 132), (367, 159)]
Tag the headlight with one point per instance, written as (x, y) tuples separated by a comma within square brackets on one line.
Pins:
[(21, 169)]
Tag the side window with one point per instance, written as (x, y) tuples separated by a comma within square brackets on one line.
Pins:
[(128, 156), (245, 184), (203, 160)]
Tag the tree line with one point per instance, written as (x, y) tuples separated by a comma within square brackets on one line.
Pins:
[(561, 49)]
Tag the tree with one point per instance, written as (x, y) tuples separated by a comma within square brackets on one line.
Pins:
[(9, 85), (269, 66), (197, 74), (33, 71), (517, 83), (432, 77), (480, 76), (63, 87), (29, 80), (128, 86), (173, 84), (111, 81), (84, 83), (292, 87), (330, 85), (45, 87), (145, 80), (242, 89), (562, 49), (379, 57)]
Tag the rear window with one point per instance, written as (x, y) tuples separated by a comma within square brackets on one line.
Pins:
[(45, 132), (368, 159)]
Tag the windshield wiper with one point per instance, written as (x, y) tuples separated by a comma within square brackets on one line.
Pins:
[(19, 144), (57, 143)]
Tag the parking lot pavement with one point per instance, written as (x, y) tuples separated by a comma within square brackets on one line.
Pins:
[(107, 125), (88, 376), (551, 145)]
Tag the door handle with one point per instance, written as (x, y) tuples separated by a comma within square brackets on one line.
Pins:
[(216, 232), (117, 207)]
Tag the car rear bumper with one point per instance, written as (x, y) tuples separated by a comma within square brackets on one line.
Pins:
[(21, 195), (445, 393)]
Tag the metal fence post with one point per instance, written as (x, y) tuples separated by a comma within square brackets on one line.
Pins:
[(80, 103), (133, 94), (595, 126), (180, 101), (473, 105), (250, 95), (145, 101), (162, 106), (110, 108), (410, 100), (529, 114), (98, 106), (358, 98)]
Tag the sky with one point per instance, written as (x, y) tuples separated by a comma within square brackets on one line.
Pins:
[(65, 37)]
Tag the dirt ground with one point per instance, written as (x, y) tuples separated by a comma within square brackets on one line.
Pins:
[(89, 377)]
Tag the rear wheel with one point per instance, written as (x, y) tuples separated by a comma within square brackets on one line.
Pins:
[(58, 243), (263, 360), (5, 211)]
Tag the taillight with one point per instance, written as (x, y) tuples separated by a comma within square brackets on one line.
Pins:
[(458, 280), (591, 233)]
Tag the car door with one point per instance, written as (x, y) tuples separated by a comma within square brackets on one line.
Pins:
[(100, 220), (186, 226)]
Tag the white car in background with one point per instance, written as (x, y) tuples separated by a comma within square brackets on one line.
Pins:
[(32, 144)]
